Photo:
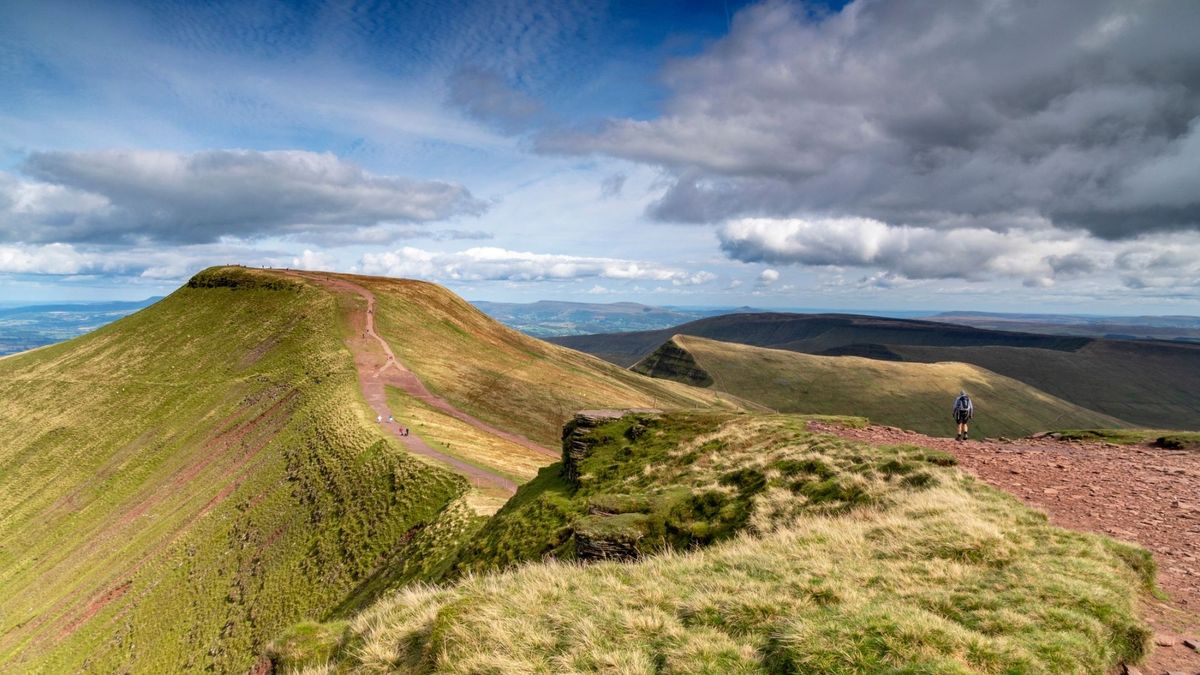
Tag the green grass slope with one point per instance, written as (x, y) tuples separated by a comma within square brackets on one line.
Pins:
[(755, 546), (505, 377), (180, 485), (915, 396)]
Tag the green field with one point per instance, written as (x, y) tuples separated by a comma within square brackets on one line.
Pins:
[(915, 396), (758, 547)]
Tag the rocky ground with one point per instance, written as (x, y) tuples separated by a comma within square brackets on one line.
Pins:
[(1138, 493)]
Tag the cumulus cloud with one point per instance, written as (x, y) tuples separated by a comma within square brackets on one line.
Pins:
[(971, 114), (1036, 257), (170, 263), (497, 264), (768, 277), (141, 196)]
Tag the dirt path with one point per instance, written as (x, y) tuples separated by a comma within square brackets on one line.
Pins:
[(1136, 493), (378, 367)]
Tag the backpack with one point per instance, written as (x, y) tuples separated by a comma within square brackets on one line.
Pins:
[(963, 403)]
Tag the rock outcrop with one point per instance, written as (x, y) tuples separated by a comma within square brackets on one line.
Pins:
[(673, 362)]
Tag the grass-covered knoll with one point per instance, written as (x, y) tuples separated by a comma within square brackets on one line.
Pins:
[(848, 559), (648, 483), (917, 396), (504, 377), (1174, 440), (178, 486)]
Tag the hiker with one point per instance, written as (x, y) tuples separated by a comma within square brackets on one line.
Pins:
[(391, 419), (964, 410), (379, 419)]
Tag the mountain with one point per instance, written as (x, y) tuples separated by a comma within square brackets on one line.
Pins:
[(710, 543), (178, 486), (29, 327), (547, 318), (1149, 383), (914, 396)]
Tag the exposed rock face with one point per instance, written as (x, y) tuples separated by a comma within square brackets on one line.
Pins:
[(576, 442), (615, 523), (672, 362), (605, 537)]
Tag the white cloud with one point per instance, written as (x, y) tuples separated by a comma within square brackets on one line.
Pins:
[(768, 277), (139, 196), (1036, 257), (313, 260), (57, 259), (497, 264)]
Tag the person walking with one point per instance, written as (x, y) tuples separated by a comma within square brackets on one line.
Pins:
[(964, 410)]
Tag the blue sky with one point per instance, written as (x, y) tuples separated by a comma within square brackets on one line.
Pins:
[(982, 156)]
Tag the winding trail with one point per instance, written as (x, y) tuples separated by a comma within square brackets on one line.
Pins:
[(378, 367)]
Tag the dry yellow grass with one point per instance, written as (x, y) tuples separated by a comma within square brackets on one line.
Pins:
[(914, 396), (507, 378), (461, 440)]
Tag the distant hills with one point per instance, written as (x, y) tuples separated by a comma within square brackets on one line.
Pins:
[(548, 318), (910, 395), (1181, 328), (1151, 383), (29, 327)]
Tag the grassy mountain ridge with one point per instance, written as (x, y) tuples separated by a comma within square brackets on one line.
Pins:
[(1145, 383), (817, 555), (179, 485), (915, 396)]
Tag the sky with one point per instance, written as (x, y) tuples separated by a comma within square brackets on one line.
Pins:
[(978, 154)]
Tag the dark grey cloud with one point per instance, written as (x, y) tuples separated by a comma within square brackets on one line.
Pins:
[(486, 96), (1083, 113), (147, 196)]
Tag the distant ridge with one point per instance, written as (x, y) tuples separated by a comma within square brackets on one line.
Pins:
[(913, 396), (1151, 383)]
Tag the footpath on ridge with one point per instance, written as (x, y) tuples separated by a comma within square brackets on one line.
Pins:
[(378, 367), (1137, 493)]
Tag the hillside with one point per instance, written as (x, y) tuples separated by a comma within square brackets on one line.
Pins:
[(1142, 382), (178, 486), (503, 376), (910, 395), (749, 544)]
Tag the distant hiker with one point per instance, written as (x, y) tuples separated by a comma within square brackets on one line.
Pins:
[(964, 410), (391, 419), (379, 419), (405, 432)]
